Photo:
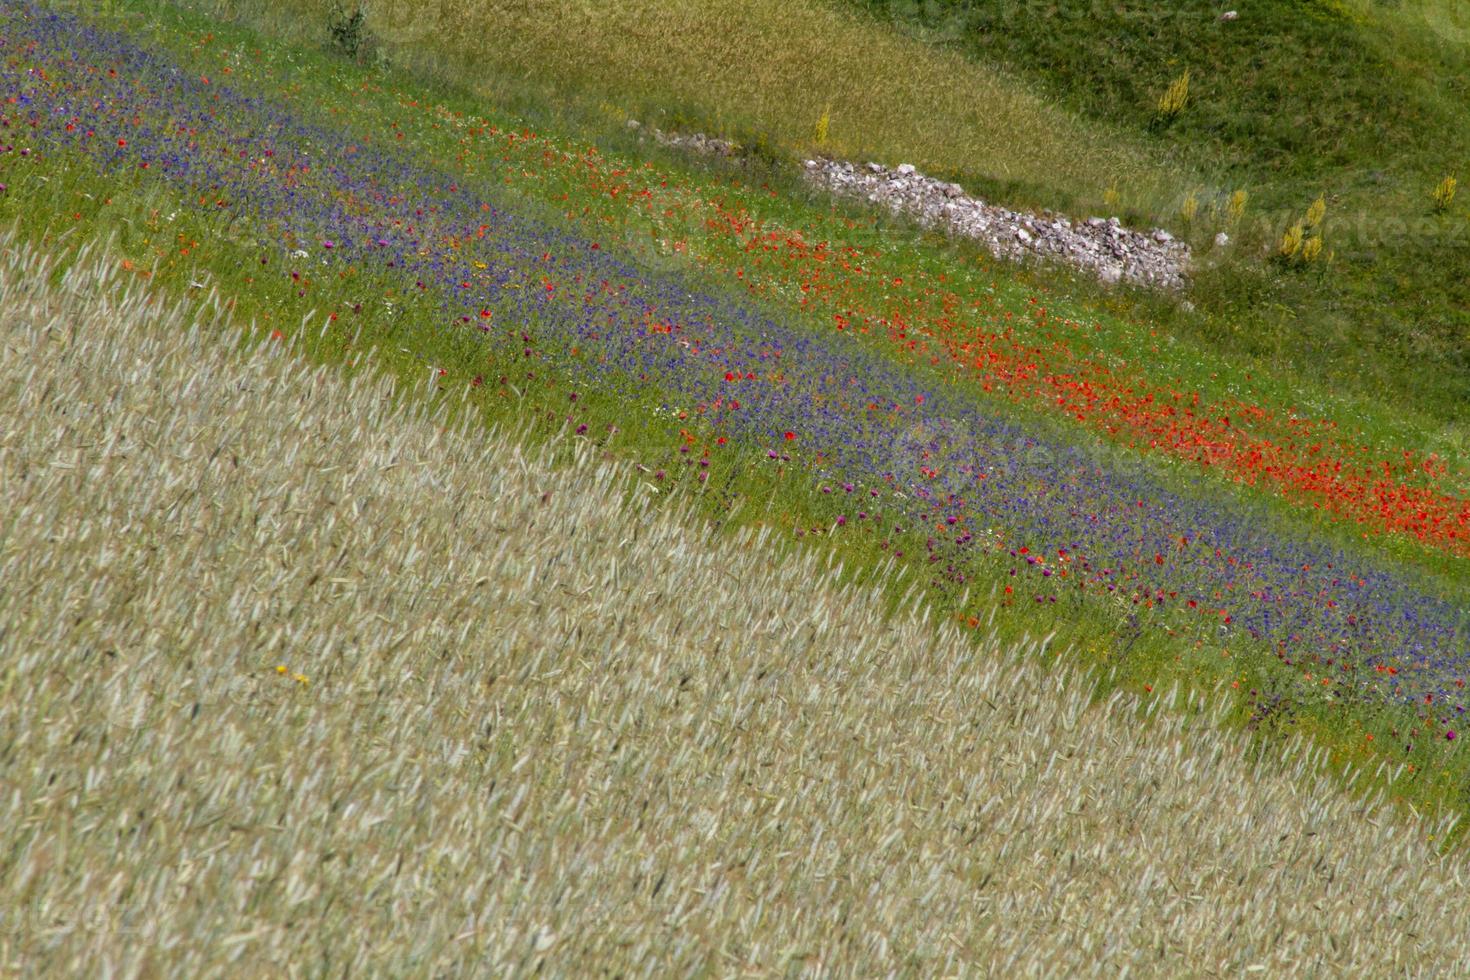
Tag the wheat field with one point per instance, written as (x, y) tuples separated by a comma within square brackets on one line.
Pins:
[(297, 682)]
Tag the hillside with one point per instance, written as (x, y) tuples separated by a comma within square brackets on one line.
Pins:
[(1365, 104), (1056, 106), (315, 682), (793, 363), (419, 460)]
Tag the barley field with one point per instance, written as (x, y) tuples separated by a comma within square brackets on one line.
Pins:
[(299, 679)]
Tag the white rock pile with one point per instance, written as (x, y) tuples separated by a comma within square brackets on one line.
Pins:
[(1099, 245), (712, 146)]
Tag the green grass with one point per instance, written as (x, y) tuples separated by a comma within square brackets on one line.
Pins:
[(1366, 103), (781, 502), (1044, 105), (1034, 105), (304, 674), (435, 119), (766, 69)]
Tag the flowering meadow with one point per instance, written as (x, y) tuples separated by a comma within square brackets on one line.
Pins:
[(1007, 450)]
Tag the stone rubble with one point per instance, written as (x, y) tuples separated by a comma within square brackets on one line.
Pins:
[(699, 143), (1101, 246)]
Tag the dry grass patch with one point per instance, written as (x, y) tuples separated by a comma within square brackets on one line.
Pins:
[(292, 680), (769, 67)]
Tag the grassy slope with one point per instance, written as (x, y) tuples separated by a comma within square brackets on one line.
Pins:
[(296, 679), (763, 69), (1365, 103), (784, 504), (1071, 113), (408, 105)]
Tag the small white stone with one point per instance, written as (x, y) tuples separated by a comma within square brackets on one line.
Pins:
[(905, 169), (1221, 240)]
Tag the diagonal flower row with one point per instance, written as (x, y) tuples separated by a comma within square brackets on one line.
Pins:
[(894, 449)]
